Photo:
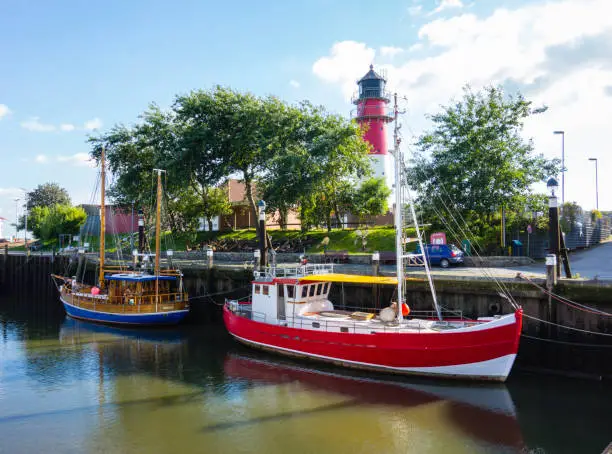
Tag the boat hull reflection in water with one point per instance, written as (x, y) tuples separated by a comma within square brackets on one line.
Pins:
[(485, 413)]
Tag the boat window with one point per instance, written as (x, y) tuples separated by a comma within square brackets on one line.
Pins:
[(320, 289), (266, 289), (312, 290), (290, 291), (326, 287), (304, 291), (281, 290), (257, 289)]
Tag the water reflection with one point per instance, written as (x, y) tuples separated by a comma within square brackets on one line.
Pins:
[(71, 386), (484, 413)]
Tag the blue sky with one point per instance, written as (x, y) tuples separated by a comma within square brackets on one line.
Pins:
[(69, 67)]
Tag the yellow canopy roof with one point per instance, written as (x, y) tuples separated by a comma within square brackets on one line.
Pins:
[(350, 278)]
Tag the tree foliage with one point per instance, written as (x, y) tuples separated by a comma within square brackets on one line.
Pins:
[(474, 157), (371, 197), (47, 195), (294, 155), (49, 222)]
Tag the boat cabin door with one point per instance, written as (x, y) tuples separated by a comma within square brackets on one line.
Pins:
[(280, 302)]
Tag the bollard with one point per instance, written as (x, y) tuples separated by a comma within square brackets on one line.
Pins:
[(551, 281), (375, 272), (209, 256)]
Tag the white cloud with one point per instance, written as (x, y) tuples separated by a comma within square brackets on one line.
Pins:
[(556, 53), (36, 126), (415, 10), (11, 193), (40, 159), (415, 47), (90, 125), (446, 4), (390, 51), (294, 83), (67, 127), (78, 159), (347, 62), (4, 111)]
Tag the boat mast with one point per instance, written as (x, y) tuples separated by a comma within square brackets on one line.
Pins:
[(399, 243), (425, 262), (399, 249), (102, 217), (158, 228)]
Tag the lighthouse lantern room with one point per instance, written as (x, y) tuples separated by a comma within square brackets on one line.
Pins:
[(372, 111)]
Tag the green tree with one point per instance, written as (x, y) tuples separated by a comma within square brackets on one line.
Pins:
[(48, 194), (58, 219), (228, 132), (474, 159), (213, 202), (370, 199)]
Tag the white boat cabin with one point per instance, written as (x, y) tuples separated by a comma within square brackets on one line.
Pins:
[(287, 297)]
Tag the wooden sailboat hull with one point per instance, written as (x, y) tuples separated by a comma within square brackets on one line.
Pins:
[(485, 352), (134, 319)]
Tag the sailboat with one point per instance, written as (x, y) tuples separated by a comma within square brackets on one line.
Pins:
[(127, 297), (289, 312)]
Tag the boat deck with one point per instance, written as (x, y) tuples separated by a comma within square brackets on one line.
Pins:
[(353, 322)]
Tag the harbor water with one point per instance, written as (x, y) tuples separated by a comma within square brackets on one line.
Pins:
[(73, 387)]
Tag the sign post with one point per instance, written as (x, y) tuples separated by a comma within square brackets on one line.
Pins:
[(529, 230)]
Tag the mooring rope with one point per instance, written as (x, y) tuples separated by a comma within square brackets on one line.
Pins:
[(573, 344), (566, 301), (567, 327)]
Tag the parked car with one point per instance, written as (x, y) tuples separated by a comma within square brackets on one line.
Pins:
[(35, 246), (443, 254)]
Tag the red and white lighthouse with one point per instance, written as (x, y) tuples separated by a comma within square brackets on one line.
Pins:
[(372, 111)]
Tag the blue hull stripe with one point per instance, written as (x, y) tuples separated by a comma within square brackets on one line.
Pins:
[(158, 318)]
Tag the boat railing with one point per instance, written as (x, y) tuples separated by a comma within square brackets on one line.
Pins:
[(342, 326), (271, 272), (130, 303)]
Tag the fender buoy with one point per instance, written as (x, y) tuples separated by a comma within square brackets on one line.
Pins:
[(95, 291), (405, 309)]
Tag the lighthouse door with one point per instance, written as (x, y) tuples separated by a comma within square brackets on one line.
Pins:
[(280, 302)]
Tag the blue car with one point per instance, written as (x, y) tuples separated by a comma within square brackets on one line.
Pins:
[(443, 254)]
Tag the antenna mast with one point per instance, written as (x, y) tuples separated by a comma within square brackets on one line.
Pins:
[(102, 217), (399, 249)]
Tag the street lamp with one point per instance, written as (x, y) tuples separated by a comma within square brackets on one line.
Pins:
[(25, 230), (562, 165), (553, 224), (596, 185), (262, 234), (17, 199)]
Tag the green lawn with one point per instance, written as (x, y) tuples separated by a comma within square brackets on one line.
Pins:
[(378, 238)]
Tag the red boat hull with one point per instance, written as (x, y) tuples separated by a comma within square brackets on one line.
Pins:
[(482, 354)]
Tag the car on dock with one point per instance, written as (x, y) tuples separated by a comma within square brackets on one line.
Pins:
[(443, 254)]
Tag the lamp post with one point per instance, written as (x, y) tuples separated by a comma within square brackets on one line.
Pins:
[(553, 226), (596, 185), (16, 218), (132, 229), (25, 230), (261, 205), (562, 165)]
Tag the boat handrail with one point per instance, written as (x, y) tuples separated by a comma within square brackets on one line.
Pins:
[(335, 325), (271, 272)]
